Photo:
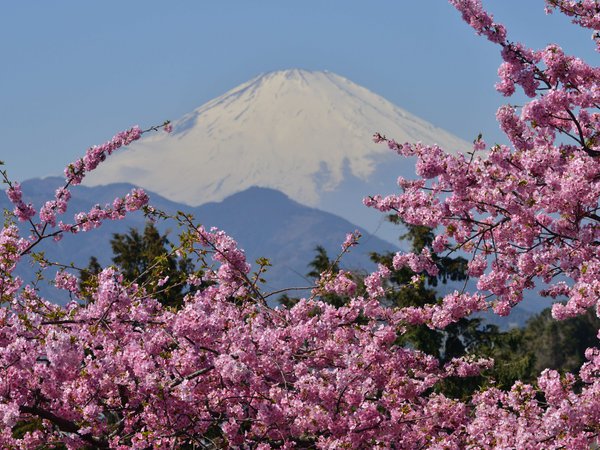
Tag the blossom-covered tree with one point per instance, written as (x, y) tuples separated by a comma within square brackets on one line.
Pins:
[(225, 370)]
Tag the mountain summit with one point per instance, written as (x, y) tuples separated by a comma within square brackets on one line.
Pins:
[(298, 131)]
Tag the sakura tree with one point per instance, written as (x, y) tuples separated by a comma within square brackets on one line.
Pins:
[(116, 369), (526, 213)]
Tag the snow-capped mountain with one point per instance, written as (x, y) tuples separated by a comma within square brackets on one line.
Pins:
[(307, 134)]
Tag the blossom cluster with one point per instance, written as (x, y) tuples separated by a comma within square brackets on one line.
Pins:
[(584, 12), (75, 172), (527, 213), (22, 211)]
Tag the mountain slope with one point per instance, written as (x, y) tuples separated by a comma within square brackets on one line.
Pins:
[(266, 223), (296, 131)]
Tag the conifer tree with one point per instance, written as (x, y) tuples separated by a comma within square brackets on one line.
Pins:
[(141, 258)]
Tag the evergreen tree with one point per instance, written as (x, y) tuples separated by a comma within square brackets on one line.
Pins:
[(144, 258), (456, 339), (320, 264), (559, 345)]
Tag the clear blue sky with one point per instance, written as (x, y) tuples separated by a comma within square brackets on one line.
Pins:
[(75, 72)]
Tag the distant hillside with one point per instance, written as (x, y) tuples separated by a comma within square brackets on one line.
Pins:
[(265, 222)]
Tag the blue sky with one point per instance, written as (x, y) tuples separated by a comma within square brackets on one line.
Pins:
[(75, 72)]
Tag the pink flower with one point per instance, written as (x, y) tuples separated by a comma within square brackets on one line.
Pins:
[(351, 240)]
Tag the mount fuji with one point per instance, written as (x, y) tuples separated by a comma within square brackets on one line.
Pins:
[(307, 134)]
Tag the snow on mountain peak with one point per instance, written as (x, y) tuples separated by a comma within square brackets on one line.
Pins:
[(297, 131)]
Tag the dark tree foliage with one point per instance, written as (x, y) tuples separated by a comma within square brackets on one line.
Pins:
[(553, 344), (513, 360), (143, 258), (458, 338), (321, 263), (561, 345)]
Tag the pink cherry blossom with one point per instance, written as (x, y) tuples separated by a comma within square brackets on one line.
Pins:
[(116, 369)]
